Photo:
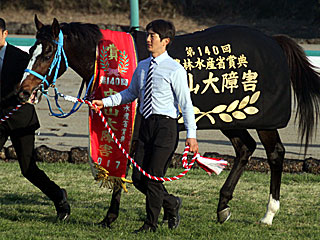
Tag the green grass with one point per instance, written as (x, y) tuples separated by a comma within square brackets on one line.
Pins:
[(25, 213)]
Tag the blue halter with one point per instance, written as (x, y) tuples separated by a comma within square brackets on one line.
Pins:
[(56, 64)]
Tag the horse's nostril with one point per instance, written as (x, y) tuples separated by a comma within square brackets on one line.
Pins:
[(24, 95)]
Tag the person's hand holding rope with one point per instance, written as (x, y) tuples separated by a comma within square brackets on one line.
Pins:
[(96, 104), (193, 144)]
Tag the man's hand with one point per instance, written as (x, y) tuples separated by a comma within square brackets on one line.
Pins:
[(98, 103), (192, 142)]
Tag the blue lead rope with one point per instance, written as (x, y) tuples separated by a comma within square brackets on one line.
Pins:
[(75, 107), (56, 64)]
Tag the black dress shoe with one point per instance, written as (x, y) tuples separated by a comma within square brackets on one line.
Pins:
[(145, 228), (63, 207), (174, 219)]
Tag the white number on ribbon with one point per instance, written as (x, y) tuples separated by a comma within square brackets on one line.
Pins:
[(118, 164)]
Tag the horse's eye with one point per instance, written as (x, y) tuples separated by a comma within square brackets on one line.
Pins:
[(46, 57)]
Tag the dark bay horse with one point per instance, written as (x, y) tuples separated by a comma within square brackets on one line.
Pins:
[(278, 57)]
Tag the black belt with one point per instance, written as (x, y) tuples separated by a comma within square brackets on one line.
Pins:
[(159, 116)]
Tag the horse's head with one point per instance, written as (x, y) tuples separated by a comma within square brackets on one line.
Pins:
[(42, 55)]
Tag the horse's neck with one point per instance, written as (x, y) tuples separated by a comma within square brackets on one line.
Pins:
[(81, 61), (141, 44)]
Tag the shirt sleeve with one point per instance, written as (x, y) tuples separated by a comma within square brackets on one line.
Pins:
[(181, 90), (126, 96)]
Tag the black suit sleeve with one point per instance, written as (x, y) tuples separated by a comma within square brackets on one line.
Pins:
[(14, 64)]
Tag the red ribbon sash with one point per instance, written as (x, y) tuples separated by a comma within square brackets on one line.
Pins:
[(115, 65)]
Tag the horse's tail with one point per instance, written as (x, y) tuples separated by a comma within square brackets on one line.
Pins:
[(305, 81)]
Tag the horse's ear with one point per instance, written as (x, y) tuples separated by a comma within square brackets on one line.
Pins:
[(55, 27), (37, 22)]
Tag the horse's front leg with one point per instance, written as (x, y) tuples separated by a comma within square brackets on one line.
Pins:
[(275, 153), (244, 146), (113, 211)]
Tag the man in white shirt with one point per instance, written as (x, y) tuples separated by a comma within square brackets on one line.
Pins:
[(161, 85)]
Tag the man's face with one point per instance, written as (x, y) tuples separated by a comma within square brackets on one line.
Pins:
[(155, 45), (3, 36)]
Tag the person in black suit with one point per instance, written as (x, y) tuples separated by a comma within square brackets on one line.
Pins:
[(22, 124)]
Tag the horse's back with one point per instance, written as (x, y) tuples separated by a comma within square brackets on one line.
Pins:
[(243, 39), (228, 57)]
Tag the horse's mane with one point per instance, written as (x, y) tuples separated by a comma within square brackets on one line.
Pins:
[(84, 34)]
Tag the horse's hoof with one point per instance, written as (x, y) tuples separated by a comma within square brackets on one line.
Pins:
[(104, 224), (224, 215), (266, 221)]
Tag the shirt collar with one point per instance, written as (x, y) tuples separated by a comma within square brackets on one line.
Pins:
[(3, 50), (160, 58)]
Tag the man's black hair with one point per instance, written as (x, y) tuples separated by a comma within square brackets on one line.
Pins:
[(164, 28), (2, 24)]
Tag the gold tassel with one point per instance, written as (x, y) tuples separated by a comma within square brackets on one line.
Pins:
[(111, 182)]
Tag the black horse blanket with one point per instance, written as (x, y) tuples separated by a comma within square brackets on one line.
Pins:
[(238, 78)]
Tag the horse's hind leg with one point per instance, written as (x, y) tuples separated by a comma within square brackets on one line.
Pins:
[(275, 153), (244, 146)]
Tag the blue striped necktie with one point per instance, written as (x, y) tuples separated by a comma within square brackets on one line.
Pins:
[(147, 101)]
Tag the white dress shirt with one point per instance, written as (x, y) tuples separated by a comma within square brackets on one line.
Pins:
[(170, 90)]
